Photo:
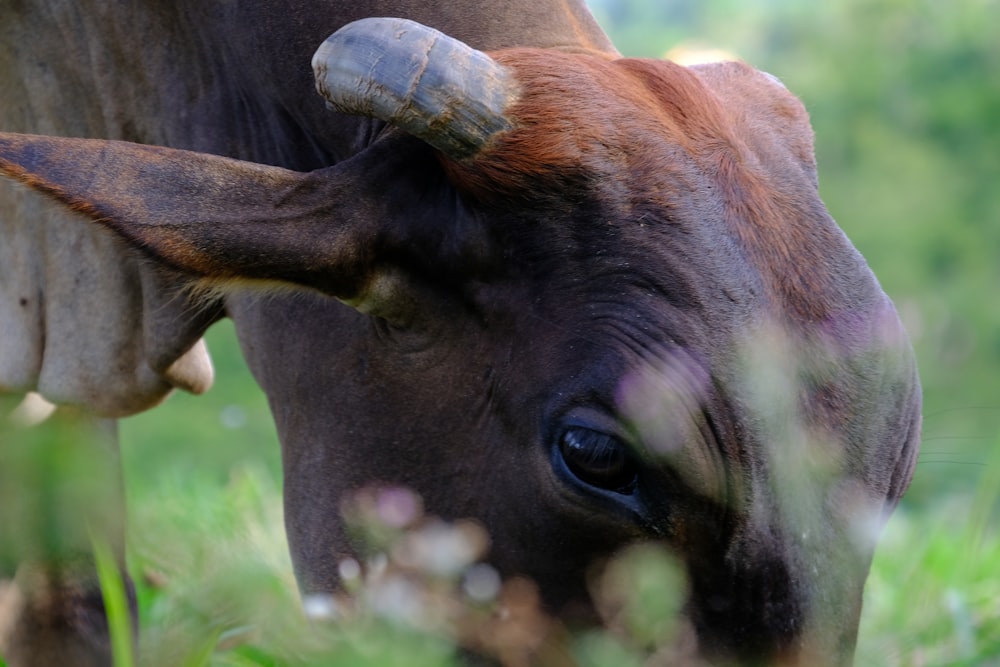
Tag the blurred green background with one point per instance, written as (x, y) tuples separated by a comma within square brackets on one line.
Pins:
[(905, 100)]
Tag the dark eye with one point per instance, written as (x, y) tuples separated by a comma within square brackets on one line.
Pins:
[(598, 459)]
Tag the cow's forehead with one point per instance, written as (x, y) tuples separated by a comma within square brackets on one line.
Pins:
[(589, 322), (726, 147), (590, 118), (611, 145)]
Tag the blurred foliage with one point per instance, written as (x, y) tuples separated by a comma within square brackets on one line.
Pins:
[(933, 596), (904, 97), (56, 480), (200, 439)]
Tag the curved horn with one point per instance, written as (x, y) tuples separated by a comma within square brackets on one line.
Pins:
[(419, 79)]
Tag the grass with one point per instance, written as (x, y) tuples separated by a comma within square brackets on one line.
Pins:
[(933, 597), (220, 589), (115, 602), (216, 588)]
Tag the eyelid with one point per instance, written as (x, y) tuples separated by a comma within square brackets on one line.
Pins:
[(602, 421), (594, 420)]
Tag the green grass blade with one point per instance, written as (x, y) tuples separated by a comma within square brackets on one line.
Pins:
[(115, 604), (985, 502), (203, 654)]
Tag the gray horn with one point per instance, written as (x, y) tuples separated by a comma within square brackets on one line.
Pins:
[(431, 85)]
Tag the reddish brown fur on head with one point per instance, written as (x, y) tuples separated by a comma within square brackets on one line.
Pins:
[(587, 115), (731, 131)]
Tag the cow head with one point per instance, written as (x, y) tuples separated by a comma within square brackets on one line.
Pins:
[(593, 301)]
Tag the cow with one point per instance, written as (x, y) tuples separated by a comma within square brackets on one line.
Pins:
[(584, 300)]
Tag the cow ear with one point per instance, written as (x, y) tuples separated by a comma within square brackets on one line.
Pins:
[(220, 219)]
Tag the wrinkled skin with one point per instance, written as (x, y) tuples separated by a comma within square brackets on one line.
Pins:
[(644, 257)]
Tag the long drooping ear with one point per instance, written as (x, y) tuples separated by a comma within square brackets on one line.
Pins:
[(341, 229), (219, 218)]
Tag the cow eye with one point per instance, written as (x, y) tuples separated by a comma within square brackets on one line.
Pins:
[(598, 459)]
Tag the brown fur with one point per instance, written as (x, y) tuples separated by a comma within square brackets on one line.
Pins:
[(588, 117)]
